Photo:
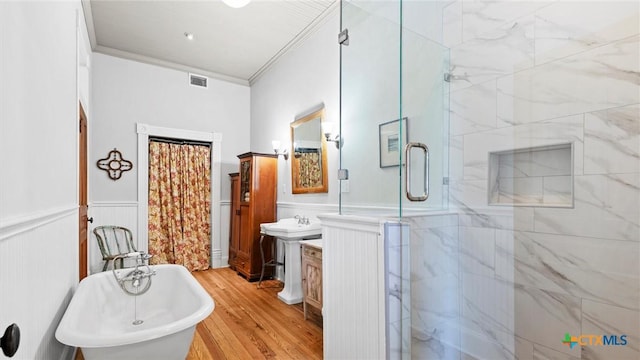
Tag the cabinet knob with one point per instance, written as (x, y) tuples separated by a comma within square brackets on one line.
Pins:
[(10, 340)]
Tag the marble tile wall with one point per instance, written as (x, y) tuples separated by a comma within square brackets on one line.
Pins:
[(532, 176), (397, 292), (435, 287), (538, 73)]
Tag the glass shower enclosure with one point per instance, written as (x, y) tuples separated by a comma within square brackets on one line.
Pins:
[(394, 125), (394, 93), (529, 235)]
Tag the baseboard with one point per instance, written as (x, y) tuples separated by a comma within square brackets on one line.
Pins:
[(217, 260)]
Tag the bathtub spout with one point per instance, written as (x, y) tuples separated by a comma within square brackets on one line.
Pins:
[(140, 277)]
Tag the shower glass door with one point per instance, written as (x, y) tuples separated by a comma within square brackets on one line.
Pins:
[(394, 95), (424, 96), (370, 96), (393, 92)]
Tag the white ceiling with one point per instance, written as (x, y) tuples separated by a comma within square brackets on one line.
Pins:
[(230, 44)]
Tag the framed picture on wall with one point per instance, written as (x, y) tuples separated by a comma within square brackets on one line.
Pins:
[(390, 141)]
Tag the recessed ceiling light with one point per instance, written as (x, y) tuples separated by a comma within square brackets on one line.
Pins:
[(236, 3), (188, 35)]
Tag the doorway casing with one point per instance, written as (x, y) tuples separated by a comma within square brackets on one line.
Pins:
[(144, 132)]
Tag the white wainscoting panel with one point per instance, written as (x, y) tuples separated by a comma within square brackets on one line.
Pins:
[(220, 257), (126, 214), (291, 209), (123, 214), (39, 273), (353, 286)]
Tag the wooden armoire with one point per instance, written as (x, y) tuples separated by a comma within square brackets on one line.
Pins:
[(253, 202)]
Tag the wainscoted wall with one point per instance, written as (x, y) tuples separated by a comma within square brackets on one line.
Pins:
[(353, 284), (528, 74), (291, 209), (220, 257), (39, 258), (43, 46), (123, 214), (126, 214)]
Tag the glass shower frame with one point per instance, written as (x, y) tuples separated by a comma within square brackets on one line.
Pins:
[(389, 71)]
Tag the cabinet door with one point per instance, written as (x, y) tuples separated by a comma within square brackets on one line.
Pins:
[(312, 275), (245, 242), (245, 180)]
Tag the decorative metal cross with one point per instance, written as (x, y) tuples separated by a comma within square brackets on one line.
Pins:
[(114, 164)]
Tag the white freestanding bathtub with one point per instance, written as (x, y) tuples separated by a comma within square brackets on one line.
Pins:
[(100, 316)]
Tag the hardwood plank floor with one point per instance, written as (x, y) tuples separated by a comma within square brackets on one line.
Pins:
[(251, 323)]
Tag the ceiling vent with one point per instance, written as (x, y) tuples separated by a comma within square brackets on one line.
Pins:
[(198, 80)]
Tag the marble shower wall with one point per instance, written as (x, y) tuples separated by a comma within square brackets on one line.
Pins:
[(435, 287), (529, 74)]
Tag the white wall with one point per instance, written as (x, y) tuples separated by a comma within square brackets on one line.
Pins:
[(38, 173), (126, 92), (301, 80)]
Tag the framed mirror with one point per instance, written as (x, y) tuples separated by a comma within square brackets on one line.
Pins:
[(309, 155)]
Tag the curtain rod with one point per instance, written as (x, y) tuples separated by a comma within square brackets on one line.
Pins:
[(179, 141)]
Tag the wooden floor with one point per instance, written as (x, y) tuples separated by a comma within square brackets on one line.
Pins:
[(251, 323)]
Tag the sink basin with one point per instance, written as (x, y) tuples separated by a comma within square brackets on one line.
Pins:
[(289, 229)]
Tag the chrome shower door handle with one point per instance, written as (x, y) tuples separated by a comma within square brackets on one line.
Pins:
[(407, 178)]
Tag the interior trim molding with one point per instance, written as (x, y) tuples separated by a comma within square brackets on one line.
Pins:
[(296, 41), (216, 258), (386, 212), (20, 224), (167, 64), (330, 208), (88, 19), (365, 224), (146, 130), (114, 204)]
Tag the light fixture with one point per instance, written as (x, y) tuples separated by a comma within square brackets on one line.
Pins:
[(296, 153), (236, 3), (276, 149), (188, 35), (327, 129)]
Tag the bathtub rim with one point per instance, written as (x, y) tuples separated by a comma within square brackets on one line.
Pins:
[(66, 334)]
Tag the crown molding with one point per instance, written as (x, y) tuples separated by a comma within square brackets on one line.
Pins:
[(167, 64), (297, 41)]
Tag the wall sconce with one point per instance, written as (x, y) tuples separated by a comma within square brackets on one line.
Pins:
[(327, 129), (276, 149)]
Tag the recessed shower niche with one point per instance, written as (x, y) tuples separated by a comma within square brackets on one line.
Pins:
[(533, 176)]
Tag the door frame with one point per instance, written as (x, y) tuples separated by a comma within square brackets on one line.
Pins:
[(144, 132)]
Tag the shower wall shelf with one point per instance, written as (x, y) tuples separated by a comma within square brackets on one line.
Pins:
[(534, 176)]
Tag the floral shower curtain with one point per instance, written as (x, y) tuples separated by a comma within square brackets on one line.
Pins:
[(179, 204)]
